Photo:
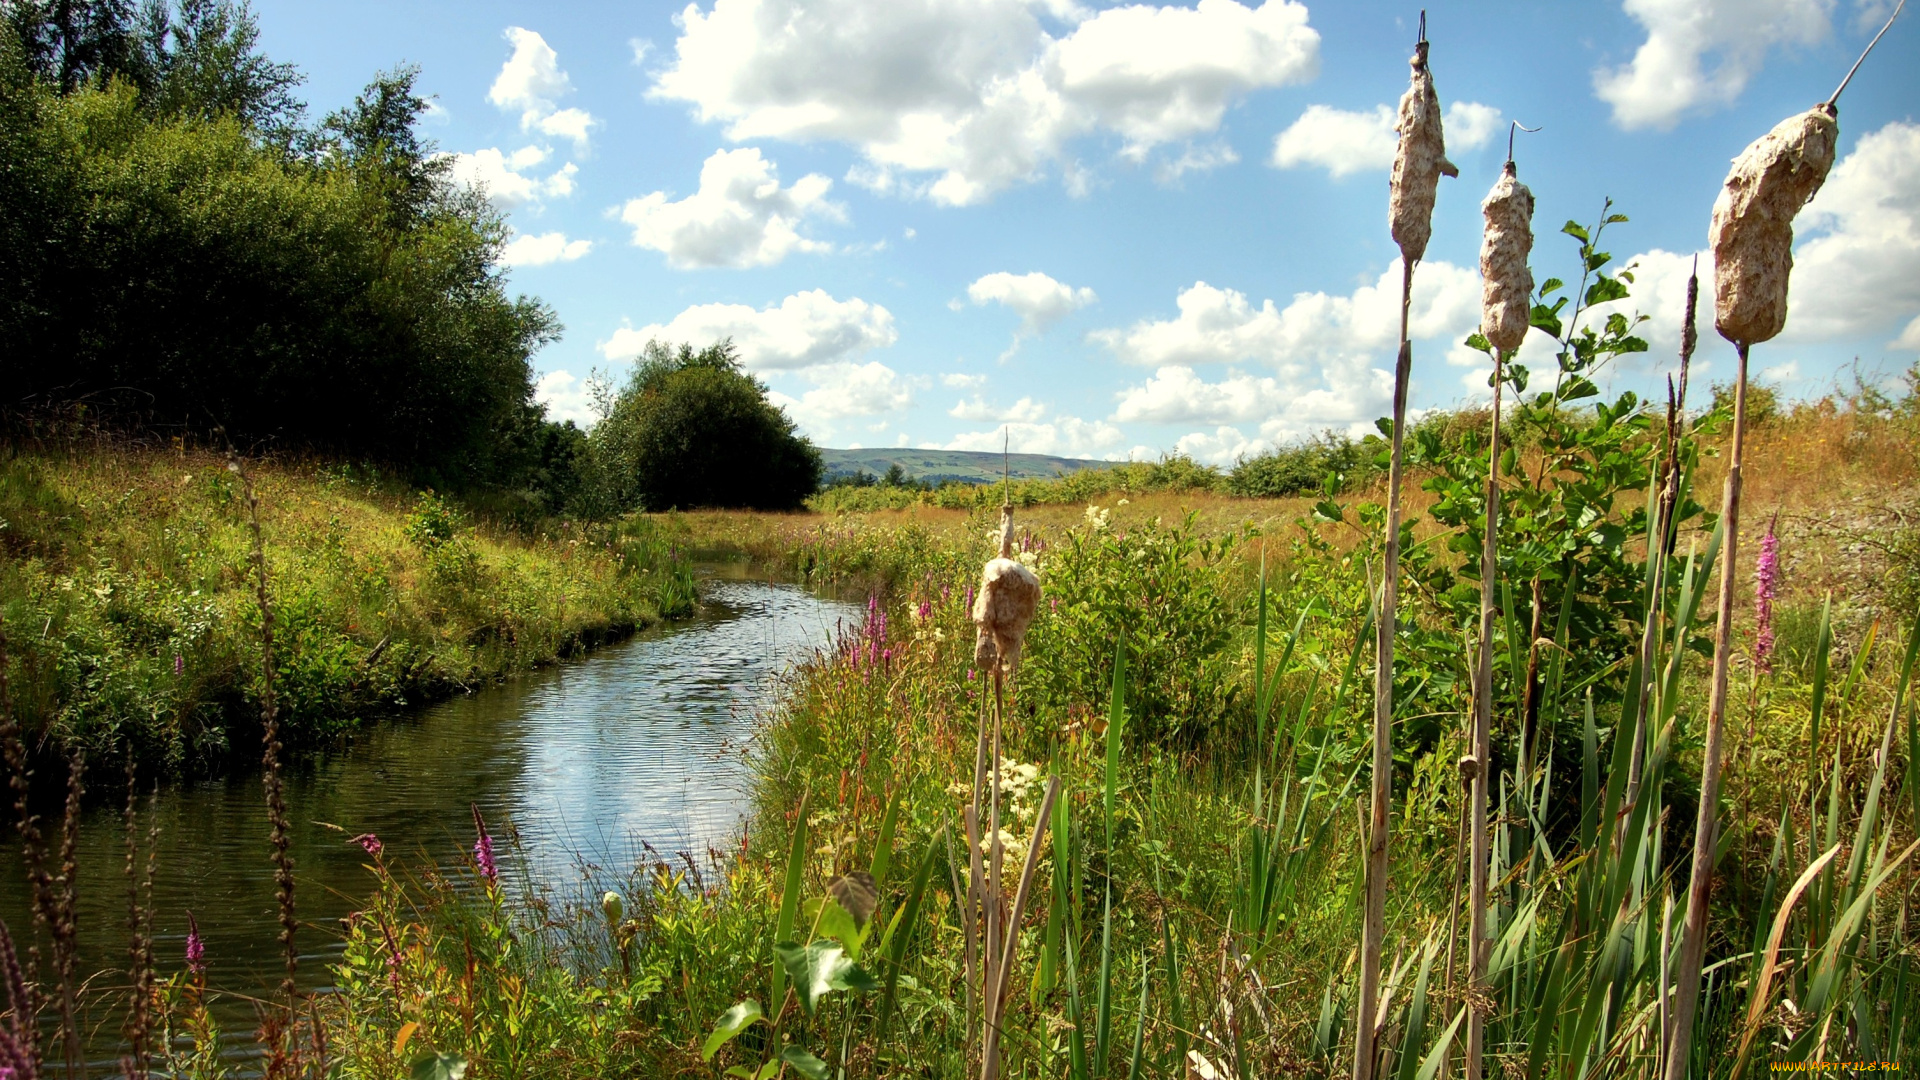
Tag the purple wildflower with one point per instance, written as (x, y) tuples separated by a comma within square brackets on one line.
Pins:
[(1766, 580), (196, 948), (179, 665), (483, 849), (925, 609), (371, 843)]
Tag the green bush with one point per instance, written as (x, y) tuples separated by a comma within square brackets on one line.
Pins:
[(1302, 469)]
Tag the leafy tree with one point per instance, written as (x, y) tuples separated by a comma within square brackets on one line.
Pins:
[(204, 62), (693, 429)]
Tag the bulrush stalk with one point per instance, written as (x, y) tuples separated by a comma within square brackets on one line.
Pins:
[(1752, 241), (1507, 288), (1418, 163)]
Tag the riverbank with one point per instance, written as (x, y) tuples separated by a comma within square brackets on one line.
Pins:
[(132, 621)]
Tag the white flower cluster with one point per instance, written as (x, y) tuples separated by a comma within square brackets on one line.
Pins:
[(1098, 518)]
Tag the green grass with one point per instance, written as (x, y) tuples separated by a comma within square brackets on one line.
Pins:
[(131, 619)]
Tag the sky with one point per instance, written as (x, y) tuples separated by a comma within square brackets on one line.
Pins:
[(1118, 231)]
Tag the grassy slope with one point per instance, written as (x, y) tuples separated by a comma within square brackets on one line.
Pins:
[(935, 465), (130, 613)]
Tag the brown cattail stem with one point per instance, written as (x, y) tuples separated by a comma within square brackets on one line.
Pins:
[(1662, 542), (1693, 934), (996, 998), (1477, 940), (1373, 928)]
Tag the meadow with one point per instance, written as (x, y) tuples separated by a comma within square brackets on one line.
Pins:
[(1197, 684)]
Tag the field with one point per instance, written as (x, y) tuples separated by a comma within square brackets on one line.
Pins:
[(1194, 899)]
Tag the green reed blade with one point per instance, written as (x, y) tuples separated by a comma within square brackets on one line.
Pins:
[(883, 843), (790, 897), (900, 933)]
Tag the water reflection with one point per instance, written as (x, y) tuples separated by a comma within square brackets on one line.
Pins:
[(639, 742)]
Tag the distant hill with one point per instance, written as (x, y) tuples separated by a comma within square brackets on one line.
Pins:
[(940, 466)]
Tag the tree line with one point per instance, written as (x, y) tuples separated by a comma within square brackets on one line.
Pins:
[(183, 249)]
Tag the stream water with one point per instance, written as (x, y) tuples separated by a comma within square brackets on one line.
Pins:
[(639, 743)]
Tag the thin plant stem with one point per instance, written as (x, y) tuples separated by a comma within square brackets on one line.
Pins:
[(1477, 940), (1373, 927), (1693, 934)]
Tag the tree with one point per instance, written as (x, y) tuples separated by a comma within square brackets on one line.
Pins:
[(693, 429)]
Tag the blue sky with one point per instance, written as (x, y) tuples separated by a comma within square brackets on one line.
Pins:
[(1122, 230)]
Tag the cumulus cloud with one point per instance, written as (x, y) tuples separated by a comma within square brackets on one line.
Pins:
[(1700, 54), (1857, 264), (1221, 446), (1066, 436), (1195, 159), (958, 99), (804, 330), (962, 379), (566, 397), (532, 84), (529, 250), (507, 178), (1039, 300), (843, 390), (1343, 142), (1329, 354), (978, 410), (739, 217)]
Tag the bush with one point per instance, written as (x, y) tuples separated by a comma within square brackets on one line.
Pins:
[(692, 429), (1302, 469)]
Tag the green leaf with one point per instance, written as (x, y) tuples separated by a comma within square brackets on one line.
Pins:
[(1575, 230), (819, 969), (731, 1024), (1605, 289), (857, 894), (803, 1063), (439, 1067), (1478, 341), (834, 921), (1551, 285), (1614, 219), (1328, 510)]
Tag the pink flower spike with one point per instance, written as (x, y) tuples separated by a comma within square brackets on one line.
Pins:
[(1766, 583)]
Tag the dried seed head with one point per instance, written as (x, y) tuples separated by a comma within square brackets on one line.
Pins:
[(1506, 282), (1752, 232), (1009, 596), (1418, 162)]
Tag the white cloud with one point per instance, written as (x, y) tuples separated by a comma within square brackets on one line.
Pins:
[(1176, 395), (1221, 446), (1856, 268), (1909, 338), (1039, 300), (805, 330), (566, 398), (958, 99), (530, 250), (740, 217), (962, 379), (1345, 142), (1330, 356), (843, 390), (505, 177), (1196, 159), (1067, 436), (1700, 54), (532, 84), (978, 410)]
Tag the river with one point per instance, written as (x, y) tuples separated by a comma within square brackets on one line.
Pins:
[(638, 743)]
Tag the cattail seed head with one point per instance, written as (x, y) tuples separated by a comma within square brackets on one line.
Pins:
[(1752, 232), (1009, 595), (1418, 162), (1506, 287)]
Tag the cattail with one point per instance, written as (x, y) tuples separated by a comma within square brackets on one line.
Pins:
[(1766, 579), (1752, 231), (1009, 594), (1419, 162), (1506, 282)]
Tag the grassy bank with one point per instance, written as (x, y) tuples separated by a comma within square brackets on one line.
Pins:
[(131, 618)]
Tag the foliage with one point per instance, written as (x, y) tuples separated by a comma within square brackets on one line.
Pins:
[(1326, 459), (178, 255), (691, 429), (1174, 473)]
